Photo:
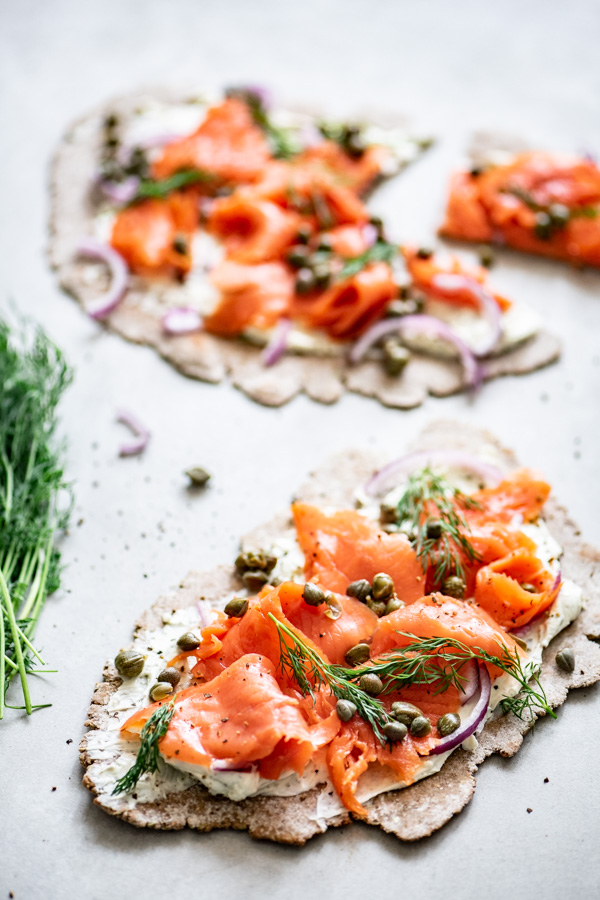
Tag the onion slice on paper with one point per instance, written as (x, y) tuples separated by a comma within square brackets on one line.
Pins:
[(139, 431), (386, 478), (419, 324), (455, 283), (181, 320), (472, 722), (277, 343), (119, 274)]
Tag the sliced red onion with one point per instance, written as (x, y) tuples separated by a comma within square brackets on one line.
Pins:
[(472, 722), (140, 432), (120, 191), (455, 283), (557, 580), (277, 344), (181, 320), (470, 683), (228, 765), (370, 234), (119, 273), (424, 325), (204, 611), (385, 479)]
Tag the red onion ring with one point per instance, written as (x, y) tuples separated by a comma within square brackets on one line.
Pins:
[(369, 233), (140, 432), (204, 613), (277, 344), (119, 272), (120, 192), (470, 725), (181, 320), (385, 479), (454, 283), (425, 325), (470, 684)]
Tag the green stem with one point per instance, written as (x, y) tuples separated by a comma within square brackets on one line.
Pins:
[(18, 649), (3, 658)]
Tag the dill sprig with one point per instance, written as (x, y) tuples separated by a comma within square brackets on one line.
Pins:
[(159, 189), (148, 754), (380, 251), (430, 495), (33, 376)]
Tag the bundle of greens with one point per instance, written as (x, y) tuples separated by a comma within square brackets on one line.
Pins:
[(35, 501)]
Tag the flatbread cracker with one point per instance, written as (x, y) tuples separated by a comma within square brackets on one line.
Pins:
[(410, 813), (210, 358)]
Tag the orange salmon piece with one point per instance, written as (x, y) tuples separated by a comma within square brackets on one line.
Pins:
[(251, 296), (498, 589), (357, 174), (424, 271), (348, 240), (227, 144), (522, 495), (252, 230), (345, 546)]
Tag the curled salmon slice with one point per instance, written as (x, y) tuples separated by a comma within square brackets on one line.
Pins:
[(252, 296), (251, 229), (499, 589)]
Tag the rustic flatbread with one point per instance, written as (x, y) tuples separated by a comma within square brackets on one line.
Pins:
[(410, 813), (210, 358)]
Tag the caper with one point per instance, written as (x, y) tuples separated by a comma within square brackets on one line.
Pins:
[(395, 358), (170, 675), (393, 604), (424, 253), (354, 146), (565, 659), (543, 226), (322, 274), (345, 709), (360, 589), (298, 256), (180, 244), (111, 121), (333, 607), (377, 223), (476, 171), (559, 214), (395, 731), (388, 513), (160, 690), (454, 586), (305, 281), (188, 641), (420, 726), (383, 586), (448, 723), (251, 559), (129, 663), (487, 257), (237, 607), (376, 606), (304, 234), (111, 142), (198, 476), (313, 594), (434, 529), (405, 712), (358, 654), (325, 243), (255, 579), (530, 588), (371, 684)]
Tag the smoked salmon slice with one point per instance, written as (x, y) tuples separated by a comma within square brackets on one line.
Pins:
[(251, 296), (424, 270), (499, 589), (252, 230)]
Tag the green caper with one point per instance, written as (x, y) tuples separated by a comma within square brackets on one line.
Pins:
[(304, 234), (305, 281), (255, 579), (420, 726), (487, 257), (180, 244), (388, 514), (129, 663), (358, 654), (395, 731), (559, 214), (298, 256), (360, 589), (333, 607), (198, 476), (376, 606), (325, 243), (383, 586), (543, 226), (111, 121), (476, 171), (530, 588), (170, 675), (424, 253), (322, 274), (160, 690), (354, 146), (454, 586), (313, 594), (395, 358), (251, 559), (371, 684), (393, 604), (405, 712), (345, 709), (565, 659), (434, 529), (448, 723), (188, 641), (237, 607), (377, 223)]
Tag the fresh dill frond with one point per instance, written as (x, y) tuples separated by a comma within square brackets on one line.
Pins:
[(380, 251), (148, 755), (149, 188), (430, 495)]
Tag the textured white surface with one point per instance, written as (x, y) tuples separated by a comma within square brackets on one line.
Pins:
[(529, 67)]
